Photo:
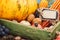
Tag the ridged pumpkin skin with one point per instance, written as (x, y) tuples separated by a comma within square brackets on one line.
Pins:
[(22, 10), (32, 6), (0, 8), (43, 4), (27, 8), (17, 9), (8, 9)]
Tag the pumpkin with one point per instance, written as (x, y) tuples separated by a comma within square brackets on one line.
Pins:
[(17, 9), (32, 6), (43, 4), (22, 10), (8, 9), (0, 8)]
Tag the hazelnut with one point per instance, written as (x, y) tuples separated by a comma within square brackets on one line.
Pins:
[(37, 20), (30, 17)]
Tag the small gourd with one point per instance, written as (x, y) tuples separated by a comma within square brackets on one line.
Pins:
[(43, 4)]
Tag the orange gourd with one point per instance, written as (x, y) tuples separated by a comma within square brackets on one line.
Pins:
[(43, 4)]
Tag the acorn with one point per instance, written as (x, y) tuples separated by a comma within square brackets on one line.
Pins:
[(37, 20), (30, 17)]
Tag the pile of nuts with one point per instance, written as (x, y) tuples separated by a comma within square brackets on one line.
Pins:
[(11, 37)]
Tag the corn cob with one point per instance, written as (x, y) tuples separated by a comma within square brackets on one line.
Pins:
[(58, 8), (55, 4)]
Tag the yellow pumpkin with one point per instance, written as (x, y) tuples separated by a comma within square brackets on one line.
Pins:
[(32, 6), (9, 8), (27, 8), (0, 8), (22, 10), (43, 4), (17, 9)]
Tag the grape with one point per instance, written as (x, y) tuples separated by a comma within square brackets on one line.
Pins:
[(3, 33), (3, 30), (3, 27), (6, 30)]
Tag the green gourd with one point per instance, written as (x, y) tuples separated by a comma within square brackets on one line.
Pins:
[(29, 32)]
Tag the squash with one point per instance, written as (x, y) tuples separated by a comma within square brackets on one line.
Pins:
[(32, 33), (24, 31), (17, 9), (43, 4)]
